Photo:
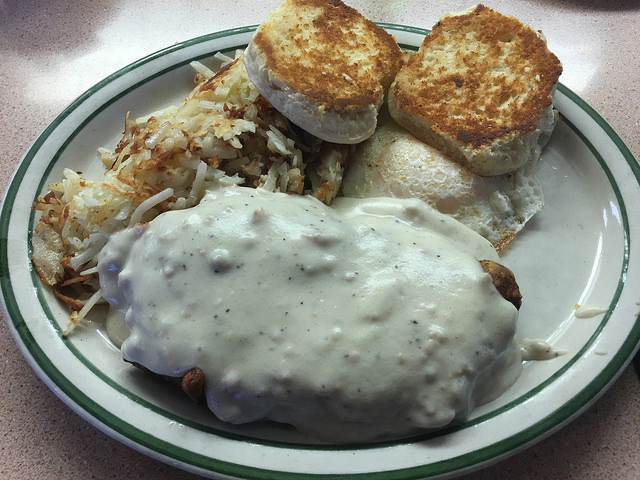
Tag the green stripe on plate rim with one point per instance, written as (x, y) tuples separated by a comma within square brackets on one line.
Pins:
[(95, 411)]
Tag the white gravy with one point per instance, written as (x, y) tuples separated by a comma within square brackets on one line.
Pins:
[(538, 349), (588, 311), (368, 318)]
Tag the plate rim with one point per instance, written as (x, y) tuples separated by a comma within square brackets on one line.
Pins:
[(20, 330)]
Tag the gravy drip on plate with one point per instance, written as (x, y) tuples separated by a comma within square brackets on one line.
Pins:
[(372, 317)]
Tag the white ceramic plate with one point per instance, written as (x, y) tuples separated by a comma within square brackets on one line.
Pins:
[(578, 250)]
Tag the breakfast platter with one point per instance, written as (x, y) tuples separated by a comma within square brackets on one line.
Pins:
[(575, 262)]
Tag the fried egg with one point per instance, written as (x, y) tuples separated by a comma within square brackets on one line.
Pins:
[(394, 163)]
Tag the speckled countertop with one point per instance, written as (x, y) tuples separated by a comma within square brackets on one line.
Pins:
[(50, 52)]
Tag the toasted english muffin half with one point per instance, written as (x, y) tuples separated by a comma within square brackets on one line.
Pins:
[(480, 89), (324, 66)]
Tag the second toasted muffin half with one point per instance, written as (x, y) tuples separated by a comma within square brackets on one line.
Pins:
[(480, 89)]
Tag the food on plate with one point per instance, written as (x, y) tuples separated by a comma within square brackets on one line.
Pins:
[(225, 238), (367, 318), (394, 163), (480, 90), (324, 66)]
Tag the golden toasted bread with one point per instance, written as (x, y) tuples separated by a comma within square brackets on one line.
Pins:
[(324, 66), (480, 89)]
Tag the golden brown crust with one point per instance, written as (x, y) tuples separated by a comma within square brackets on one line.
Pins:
[(329, 52), (192, 384), (506, 238), (478, 77), (504, 281)]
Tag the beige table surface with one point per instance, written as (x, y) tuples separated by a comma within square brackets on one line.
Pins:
[(51, 51)]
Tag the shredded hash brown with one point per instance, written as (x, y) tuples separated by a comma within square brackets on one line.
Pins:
[(224, 132)]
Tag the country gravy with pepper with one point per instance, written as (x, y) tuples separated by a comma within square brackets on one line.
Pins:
[(369, 318)]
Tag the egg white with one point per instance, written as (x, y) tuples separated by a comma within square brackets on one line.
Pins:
[(392, 162)]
